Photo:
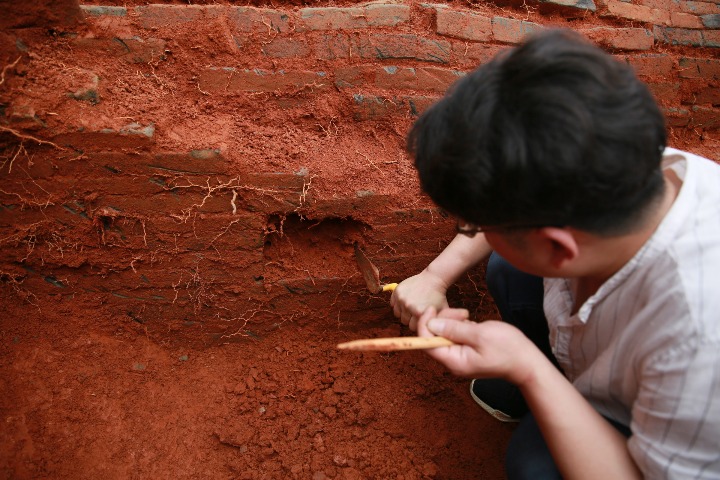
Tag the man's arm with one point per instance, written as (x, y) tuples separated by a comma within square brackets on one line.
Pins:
[(461, 254), (583, 444), (428, 288)]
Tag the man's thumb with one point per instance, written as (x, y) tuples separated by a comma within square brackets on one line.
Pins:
[(452, 329)]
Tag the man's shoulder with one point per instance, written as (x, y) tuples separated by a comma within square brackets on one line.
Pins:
[(673, 155)]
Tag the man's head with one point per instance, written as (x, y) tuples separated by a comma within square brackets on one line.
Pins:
[(555, 132)]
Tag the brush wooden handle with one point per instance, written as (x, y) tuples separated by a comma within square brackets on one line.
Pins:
[(395, 343)]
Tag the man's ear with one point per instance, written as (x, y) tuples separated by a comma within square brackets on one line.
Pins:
[(563, 246)]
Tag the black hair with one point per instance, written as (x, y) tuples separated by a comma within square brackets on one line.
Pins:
[(553, 132)]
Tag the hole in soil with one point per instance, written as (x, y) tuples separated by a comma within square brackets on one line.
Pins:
[(312, 248)]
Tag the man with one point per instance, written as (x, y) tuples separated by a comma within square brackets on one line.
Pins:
[(606, 259)]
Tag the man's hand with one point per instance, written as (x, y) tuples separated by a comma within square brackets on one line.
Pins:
[(415, 294), (489, 349), (583, 444), (428, 288)]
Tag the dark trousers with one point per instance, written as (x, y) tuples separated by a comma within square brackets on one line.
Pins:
[(519, 298)]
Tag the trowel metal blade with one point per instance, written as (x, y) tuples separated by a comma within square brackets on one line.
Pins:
[(369, 271)]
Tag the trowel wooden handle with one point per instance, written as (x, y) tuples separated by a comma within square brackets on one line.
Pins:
[(389, 287)]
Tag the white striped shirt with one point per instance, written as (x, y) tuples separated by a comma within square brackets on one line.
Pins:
[(645, 349)]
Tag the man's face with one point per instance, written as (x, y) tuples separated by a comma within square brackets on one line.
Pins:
[(520, 248)]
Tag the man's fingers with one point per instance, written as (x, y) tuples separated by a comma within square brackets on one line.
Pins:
[(457, 330), (454, 313), (397, 310), (428, 314), (412, 324)]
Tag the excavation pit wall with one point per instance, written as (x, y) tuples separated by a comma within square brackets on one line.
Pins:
[(160, 150), (181, 190)]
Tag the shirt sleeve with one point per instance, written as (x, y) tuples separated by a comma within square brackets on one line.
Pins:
[(676, 416)]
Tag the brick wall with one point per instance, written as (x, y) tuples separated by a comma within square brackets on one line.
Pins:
[(423, 47), (188, 244)]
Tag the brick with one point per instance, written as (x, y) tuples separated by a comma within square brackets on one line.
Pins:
[(259, 20), (419, 103), (180, 202), (471, 55), (651, 64), (676, 117), (678, 36), (572, 4), (110, 19), (354, 76), (407, 46), (381, 46), (98, 11), (126, 138), (667, 5), (111, 184), (711, 20), (337, 18), (703, 95), (23, 193), (704, 68), (95, 164), (711, 38), (699, 8), (685, 20), (44, 14), (159, 16), (312, 285), (253, 192), (350, 206), (665, 92), (336, 46), (464, 25), (621, 38), (38, 163), (229, 81), (196, 162), (705, 117), (509, 30), (276, 181), (639, 13), (424, 78), (387, 15), (272, 192), (410, 232), (172, 279), (226, 231), (17, 217), (331, 18), (22, 116), (17, 214), (429, 214), (395, 266), (132, 50), (370, 107), (85, 88), (286, 48)]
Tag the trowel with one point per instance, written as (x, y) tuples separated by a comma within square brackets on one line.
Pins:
[(372, 279), (371, 274)]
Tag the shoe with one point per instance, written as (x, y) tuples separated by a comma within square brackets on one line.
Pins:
[(499, 398)]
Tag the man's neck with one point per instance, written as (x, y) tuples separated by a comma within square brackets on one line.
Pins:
[(622, 249)]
